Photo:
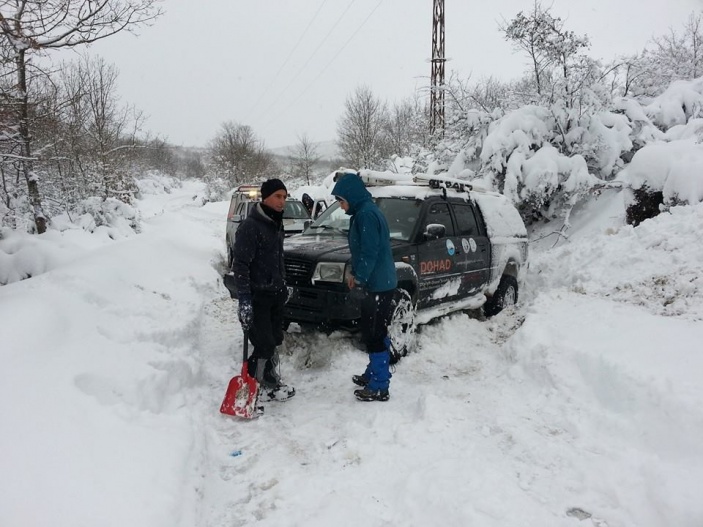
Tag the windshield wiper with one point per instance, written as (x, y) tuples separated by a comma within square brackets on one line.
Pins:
[(328, 227)]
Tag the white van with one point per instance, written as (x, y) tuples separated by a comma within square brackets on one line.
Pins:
[(296, 216)]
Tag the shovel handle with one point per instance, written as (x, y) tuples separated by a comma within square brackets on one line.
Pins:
[(245, 353)]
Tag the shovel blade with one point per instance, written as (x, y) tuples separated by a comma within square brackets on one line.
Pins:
[(241, 396)]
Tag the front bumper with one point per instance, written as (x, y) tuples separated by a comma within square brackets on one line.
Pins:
[(314, 305)]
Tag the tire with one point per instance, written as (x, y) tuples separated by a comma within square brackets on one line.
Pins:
[(505, 296), (401, 329)]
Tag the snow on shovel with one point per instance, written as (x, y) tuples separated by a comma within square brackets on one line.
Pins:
[(243, 391)]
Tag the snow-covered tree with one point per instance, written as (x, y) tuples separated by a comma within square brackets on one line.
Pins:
[(29, 27), (676, 55)]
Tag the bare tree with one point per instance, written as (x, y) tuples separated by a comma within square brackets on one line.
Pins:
[(304, 157), (28, 27), (360, 132), (551, 47), (404, 126), (238, 155), (676, 55), (112, 127), (528, 33)]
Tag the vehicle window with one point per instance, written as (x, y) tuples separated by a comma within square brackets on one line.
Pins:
[(242, 209), (439, 213), (333, 221), (466, 221), (295, 210), (401, 215)]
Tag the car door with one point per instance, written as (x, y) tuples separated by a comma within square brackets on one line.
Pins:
[(439, 277), (473, 248), (240, 214)]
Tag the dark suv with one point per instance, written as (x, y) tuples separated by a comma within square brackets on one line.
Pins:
[(454, 249)]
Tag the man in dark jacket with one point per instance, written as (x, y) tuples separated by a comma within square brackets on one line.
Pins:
[(261, 290), (373, 280)]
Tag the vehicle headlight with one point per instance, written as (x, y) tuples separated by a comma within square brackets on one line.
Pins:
[(328, 272)]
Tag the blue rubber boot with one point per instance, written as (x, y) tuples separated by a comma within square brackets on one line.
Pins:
[(379, 379)]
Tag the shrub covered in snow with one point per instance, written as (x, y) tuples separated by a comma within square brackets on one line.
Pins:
[(547, 158), (110, 212), (680, 102), (154, 182), (666, 173)]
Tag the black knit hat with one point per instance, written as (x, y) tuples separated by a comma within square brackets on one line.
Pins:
[(270, 186)]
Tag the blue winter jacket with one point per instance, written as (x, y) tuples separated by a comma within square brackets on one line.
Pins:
[(369, 237)]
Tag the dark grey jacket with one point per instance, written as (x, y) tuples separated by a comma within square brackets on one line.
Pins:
[(258, 254)]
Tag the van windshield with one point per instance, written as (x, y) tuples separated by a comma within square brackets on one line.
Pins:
[(295, 210), (401, 215)]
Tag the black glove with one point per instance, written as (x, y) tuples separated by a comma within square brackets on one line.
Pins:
[(357, 293), (246, 312)]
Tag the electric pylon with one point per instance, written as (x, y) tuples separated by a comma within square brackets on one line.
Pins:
[(437, 79)]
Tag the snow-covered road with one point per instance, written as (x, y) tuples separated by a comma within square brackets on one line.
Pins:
[(574, 410)]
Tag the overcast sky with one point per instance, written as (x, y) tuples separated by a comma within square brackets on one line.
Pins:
[(286, 67)]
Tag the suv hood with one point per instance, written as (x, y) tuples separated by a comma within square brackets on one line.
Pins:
[(317, 247), (293, 225)]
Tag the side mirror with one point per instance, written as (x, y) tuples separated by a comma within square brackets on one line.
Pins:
[(434, 231), (306, 224), (237, 218)]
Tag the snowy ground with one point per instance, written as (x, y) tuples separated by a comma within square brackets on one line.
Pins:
[(582, 407)]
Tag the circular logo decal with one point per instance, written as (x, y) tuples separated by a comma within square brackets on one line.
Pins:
[(465, 245), (450, 248), (472, 242)]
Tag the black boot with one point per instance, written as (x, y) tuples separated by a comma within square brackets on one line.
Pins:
[(251, 367), (360, 380), (371, 395), (272, 388)]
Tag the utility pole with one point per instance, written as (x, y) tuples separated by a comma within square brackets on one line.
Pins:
[(437, 79)]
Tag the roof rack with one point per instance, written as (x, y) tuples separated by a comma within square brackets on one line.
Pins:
[(443, 182), (373, 179)]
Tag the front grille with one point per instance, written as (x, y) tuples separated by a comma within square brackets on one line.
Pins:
[(298, 271)]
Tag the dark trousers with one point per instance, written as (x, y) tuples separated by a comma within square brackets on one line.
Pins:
[(267, 330), (376, 313)]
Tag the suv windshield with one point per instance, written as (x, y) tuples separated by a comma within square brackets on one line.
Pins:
[(401, 215)]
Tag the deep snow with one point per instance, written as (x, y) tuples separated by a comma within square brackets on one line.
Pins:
[(581, 407)]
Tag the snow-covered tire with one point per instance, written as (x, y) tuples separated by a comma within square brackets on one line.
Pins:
[(401, 329), (505, 296)]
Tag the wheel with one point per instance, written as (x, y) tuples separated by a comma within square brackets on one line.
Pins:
[(505, 296), (401, 329)]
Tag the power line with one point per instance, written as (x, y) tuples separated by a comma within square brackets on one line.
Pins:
[(309, 59), (268, 87), (328, 64)]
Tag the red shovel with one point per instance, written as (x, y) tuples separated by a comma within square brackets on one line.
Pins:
[(242, 392)]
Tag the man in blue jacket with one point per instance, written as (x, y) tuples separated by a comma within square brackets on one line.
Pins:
[(373, 280), (261, 289)]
